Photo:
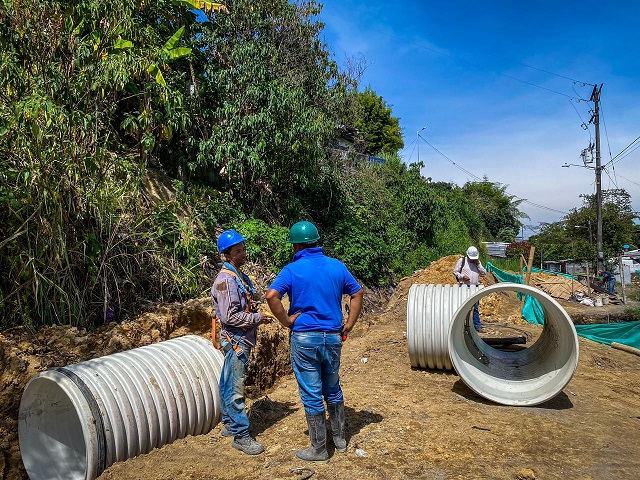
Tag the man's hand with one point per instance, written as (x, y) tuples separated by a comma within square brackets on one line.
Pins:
[(266, 319), (466, 277), (293, 318), (274, 300)]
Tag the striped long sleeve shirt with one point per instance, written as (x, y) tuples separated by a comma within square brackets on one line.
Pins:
[(470, 269), (231, 306)]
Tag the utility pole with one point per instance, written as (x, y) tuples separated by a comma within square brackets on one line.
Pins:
[(418, 140), (595, 98)]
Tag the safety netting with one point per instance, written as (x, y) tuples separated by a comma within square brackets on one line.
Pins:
[(627, 333), (532, 311)]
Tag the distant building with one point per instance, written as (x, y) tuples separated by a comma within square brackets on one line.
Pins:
[(497, 249), (350, 147), (630, 267)]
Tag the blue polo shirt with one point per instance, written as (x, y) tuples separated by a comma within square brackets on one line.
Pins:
[(315, 285)]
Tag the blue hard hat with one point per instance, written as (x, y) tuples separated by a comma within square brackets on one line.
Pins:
[(228, 239)]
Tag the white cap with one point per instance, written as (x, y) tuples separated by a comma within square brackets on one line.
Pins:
[(472, 253)]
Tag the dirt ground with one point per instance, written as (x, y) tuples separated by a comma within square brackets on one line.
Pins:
[(402, 423)]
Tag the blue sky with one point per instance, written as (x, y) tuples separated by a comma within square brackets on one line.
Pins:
[(463, 70)]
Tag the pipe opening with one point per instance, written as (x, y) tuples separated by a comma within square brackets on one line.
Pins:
[(76, 421), (52, 424), (526, 376)]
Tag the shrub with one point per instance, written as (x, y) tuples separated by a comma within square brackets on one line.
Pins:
[(514, 250)]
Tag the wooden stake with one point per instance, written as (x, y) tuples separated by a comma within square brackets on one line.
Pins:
[(532, 251)]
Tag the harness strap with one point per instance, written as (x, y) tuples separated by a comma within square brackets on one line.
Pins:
[(245, 288), (234, 343), (464, 259)]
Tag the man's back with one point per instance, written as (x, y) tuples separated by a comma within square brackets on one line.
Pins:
[(315, 285)]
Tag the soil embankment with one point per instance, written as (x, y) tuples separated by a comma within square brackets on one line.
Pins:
[(403, 423)]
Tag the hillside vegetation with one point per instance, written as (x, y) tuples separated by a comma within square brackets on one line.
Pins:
[(240, 107)]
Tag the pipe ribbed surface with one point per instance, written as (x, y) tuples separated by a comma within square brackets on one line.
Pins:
[(526, 377), (76, 421), (430, 310)]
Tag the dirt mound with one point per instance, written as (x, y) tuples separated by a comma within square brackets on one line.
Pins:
[(494, 308)]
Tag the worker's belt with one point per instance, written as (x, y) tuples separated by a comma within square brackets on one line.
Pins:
[(234, 343)]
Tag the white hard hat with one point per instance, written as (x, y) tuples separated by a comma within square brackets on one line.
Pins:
[(472, 253)]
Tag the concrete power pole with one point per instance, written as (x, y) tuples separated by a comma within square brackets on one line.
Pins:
[(595, 98)]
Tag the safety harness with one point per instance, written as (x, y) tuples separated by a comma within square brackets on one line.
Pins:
[(247, 289), (464, 259)]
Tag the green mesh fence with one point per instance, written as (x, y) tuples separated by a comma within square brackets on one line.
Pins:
[(532, 311)]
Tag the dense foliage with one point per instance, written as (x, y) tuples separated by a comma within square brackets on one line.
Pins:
[(132, 133), (575, 236), (379, 129), (515, 249), (498, 209)]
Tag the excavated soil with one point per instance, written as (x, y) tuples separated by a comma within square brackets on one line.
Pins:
[(402, 423)]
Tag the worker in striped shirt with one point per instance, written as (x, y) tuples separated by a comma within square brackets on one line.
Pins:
[(468, 270)]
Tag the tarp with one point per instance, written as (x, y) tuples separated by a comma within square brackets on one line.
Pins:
[(551, 272), (625, 332), (532, 311)]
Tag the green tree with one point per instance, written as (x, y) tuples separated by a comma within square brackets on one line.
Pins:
[(272, 99), (575, 236), (380, 130), (498, 209), (72, 73)]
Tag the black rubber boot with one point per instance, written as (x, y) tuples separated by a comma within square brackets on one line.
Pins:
[(336, 417), (317, 452)]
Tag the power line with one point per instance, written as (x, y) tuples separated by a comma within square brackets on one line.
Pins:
[(523, 200), (630, 181), (494, 72), (616, 159)]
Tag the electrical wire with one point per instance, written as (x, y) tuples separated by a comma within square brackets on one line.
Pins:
[(606, 133), (414, 149), (611, 179), (412, 142), (630, 181), (618, 157), (494, 72), (523, 200), (584, 125)]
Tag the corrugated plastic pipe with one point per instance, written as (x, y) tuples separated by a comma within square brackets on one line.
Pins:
[(76, 421), (525, 377), (430, 310)]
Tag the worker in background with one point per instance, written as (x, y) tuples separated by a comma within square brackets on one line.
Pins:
[(468, 270), (610, 281), (234, 298), (315, 285)]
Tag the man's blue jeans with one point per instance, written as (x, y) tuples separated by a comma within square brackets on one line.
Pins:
[(476, 316), (232, 408), (315, 357), (612, 286)]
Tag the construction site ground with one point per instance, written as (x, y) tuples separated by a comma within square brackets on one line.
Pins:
[(402, 423)]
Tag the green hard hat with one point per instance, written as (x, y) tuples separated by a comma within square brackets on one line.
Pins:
[(303, 232)]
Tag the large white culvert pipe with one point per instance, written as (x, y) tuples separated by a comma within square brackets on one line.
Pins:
[(76, 421), (430, 310), (525, 377)]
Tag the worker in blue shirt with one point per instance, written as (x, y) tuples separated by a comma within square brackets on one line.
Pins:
[(315, 285), (610, 281)]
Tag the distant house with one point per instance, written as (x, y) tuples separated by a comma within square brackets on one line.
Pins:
[(497, 249), (562, 266), (630, 267), (349, 146)]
